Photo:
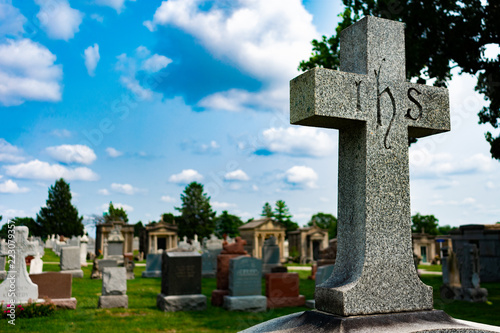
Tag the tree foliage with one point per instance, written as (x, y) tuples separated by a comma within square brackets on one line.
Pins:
[(60, 216), (325, 221), (34, 228), (197, 216), (282, 214), (138, 227), (227, 224), (267, 210), (424, 223), (115, 214), (439, 35), (168, 218)]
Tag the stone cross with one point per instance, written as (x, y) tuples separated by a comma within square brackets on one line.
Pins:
[(375, 110), (18, 281)]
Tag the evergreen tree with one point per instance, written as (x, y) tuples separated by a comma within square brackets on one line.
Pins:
[(138, 228), (325, 221), (197, 216), (427, 223), (60, 216), (168, 218), (116, 214), (282, 215), (267, 210), (227, 224)]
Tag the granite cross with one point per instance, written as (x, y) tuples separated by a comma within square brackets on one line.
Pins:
[(18, 285), (375, 110)]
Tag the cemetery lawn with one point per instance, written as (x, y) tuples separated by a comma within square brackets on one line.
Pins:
[(143, 316), (431, 268)]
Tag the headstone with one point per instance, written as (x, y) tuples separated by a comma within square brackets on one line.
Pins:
[(196, 244), (115, 243), (323, 273), (229, 251), (212, 243), (209, 262), (185, 246), (57, 287), (245, 285), (70, 261), (270, 255), (181, 283), (282, 290), (114, 288), (18, 281), (36, 265), (153, 265), (376, 110), (83, 250), (99, 265), (3, 272), (129, 266), (328, 255), (461, 279)]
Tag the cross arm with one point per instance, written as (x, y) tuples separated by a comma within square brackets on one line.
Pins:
[(427, 111), (328, 98)]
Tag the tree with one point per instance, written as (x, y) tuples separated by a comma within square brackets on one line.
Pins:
[(168, 218), (282, 215), (427, 223), (116, 214), (227, 224), (439, 34), (197, 216), (138, 228), (60, 216), (325, 221), (445, 230), (267, 210)]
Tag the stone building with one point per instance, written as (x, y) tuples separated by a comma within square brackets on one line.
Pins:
[(160, 236), (104, 229), (487, 239), (257, 231), (308, 242), (428, 247)]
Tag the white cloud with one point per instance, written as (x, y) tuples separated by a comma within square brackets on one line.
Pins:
[(490, 185), (103, 191), (465, 202), (301, 176), (126, 207), (112, 152), (237, 100), (222, 205), (167, 198), (91, 55), (186, 176), (11, 213), (117, 5), (97, 17), (36, 169), (72, 154), (10, 187), (155, 63), (28, 72), (9, 153), (132, 84), (12, 20), (425, 164), (236, 175), (58, 19), (62, 133), (126, 189), (298, 141), (248, 32)]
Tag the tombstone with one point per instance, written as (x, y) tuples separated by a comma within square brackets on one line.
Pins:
[(17, 277), (196, 244), (48, 243), (209, 262), (282, 290), (328, 255), (129, 265), (185, 246), (245, 286), (153, 265), (270, 255), (374, 286), (114, 288), (57, 287), (461, 280), (36, 265), (114, 249), (3, 272), (212, 243), (70, 261), (83, 250), (229, 251), (181, 283), (99, 265), (323, 273)]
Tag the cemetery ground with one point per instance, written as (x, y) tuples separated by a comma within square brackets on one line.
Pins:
[(143, 315)]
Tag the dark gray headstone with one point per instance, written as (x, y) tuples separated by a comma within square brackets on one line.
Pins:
[(181, 273), (468, 263), (323, 273), (245, 276), (209, 262), (115, 249), (270, 252), (153, 262)]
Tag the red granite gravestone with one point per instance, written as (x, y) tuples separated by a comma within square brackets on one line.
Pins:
[(55, 286), (229, 251), (282, 290)]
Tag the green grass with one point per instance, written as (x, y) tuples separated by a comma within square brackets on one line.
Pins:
[(143, 316), (430, 268)]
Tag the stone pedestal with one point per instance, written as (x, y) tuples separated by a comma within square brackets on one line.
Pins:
[(407, 322), (181, 303), (245, 303), (113, 301)]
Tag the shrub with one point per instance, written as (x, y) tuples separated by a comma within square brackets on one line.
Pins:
[(30, 310)]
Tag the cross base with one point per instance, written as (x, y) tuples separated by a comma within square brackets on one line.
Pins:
[(403, 322)]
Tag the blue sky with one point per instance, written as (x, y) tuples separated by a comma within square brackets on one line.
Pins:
[(131, 100)]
